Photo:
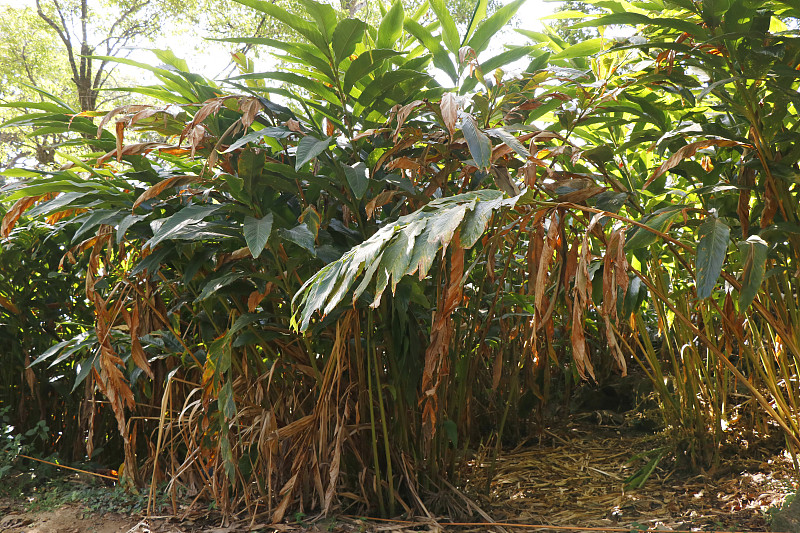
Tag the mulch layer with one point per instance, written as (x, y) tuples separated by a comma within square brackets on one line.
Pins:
[(576, 476)]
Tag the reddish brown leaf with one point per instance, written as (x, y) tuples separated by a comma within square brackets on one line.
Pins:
[(13, 214), (379, 201), (404, 163)]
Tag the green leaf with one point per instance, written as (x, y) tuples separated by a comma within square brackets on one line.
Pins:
[(441, 59), (449, 31), (391, 27), (393, 87), (640, 237), (308, 148), (364, 64), (357, 178), (180, 220), (324, 15), (478, 142), (347, 35), (489, 28), (582, 49), (301, 26), (300, 235), (408, 246), (226, 402), (711, 250), (754, 259), (315, 87), (511, 141), (451, 430), (256, 233), (254, 136), (478, 14), (215, 284)]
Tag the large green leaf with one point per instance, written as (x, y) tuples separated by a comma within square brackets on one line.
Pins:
[(640, 237), (478, 15), (489, 28), (441, 58), (308, 148), (754, 258), (357, 178), (300, 235), (256, 233), (365, 63), (301, 26), (449, 31), (711, 250), (324, 15), (173, 225), (478, 142), (391, 26), (581, 49), (315, 87), (347, 35)]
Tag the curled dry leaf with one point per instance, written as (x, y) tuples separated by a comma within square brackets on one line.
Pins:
[(133, 149), (402, 115), (161, 186), (249, 106), (116, 111), (379, 201)]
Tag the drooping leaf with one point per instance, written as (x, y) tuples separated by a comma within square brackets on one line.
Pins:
[(478, 142), (357, 178), (256, 233), (308, 148), (754, 259), (254, 136), (510, 140), (711, 250), (640, 237), (300, 235), (213, 285), (405, 247), (188, 215)]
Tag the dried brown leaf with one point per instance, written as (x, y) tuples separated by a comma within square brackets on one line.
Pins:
[(449, 108), (160, 187), (688, 151)]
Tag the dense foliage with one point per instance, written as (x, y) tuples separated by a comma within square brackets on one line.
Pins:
[(330, 284)]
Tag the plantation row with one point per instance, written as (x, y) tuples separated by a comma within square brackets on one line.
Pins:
[(328, 285)]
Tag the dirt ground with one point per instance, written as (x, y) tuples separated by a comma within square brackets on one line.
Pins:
[(571, 478)]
